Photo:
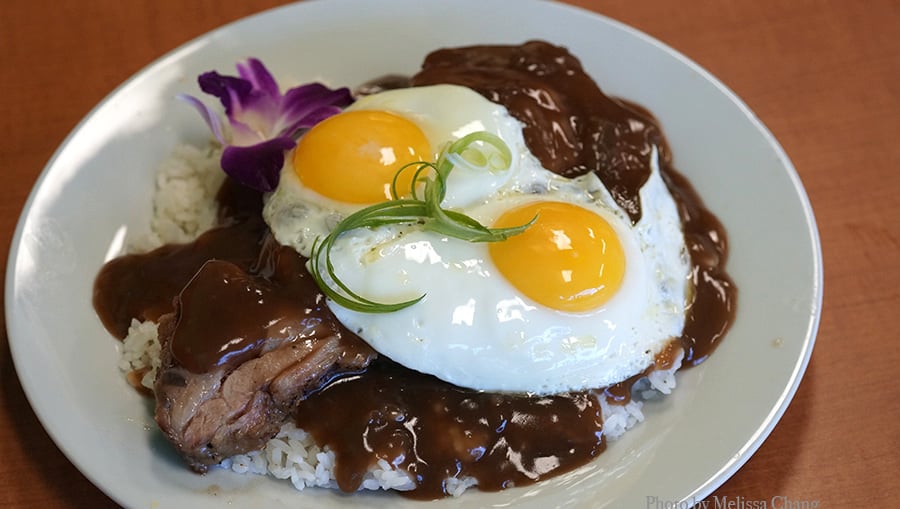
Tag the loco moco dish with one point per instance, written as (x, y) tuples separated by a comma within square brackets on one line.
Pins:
[(467, 277)]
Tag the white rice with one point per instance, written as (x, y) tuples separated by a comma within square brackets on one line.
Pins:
[(184, 207), (293, 455), (184, 204)]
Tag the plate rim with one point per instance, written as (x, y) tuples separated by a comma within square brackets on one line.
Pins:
[(753, 443)]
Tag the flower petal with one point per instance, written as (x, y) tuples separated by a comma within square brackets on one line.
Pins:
[(262, 121), (243, 135), (306, 105), (258, 166), (210, 116), (314, 117), (228, 89), (258, 110), (256, 73)]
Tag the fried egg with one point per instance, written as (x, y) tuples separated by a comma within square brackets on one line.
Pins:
[(349, 161), (582, 299)]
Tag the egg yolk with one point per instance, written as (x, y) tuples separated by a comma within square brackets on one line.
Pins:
[(570, 259), (353, 156)]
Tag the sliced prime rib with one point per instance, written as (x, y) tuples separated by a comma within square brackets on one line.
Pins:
[(241, 351), (244, 330)]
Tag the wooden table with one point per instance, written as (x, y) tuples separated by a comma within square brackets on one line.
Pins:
[(824, 76)]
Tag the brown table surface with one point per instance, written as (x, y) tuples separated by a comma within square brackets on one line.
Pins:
[(824, 76)]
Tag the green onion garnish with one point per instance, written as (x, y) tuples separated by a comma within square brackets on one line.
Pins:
[(481, 150)]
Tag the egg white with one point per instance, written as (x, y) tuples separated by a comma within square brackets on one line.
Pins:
[(474, 329)]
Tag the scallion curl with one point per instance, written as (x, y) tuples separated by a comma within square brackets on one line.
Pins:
[(492, 155)]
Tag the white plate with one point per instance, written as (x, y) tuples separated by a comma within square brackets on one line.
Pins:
[(98, 185)]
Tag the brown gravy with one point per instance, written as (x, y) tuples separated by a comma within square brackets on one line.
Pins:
[(570, 125), (435, 430), (142, 286), (573, 128), (427, 427)]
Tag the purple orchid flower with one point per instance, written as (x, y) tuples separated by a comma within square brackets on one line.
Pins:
[(263, 122)]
